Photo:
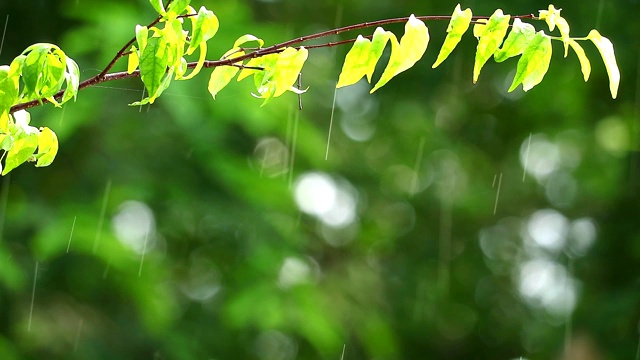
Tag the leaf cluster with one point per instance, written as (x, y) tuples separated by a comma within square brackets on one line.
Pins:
[(157, 54), (41, 72)]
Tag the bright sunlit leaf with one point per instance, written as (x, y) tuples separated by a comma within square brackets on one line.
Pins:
[(21, 151), (205, 26), (178, 6), (378, 42), (287, 68), (133, 61), (585, 65), (405, 54), (199, 64), (248, 38), (222, 75), (608, 56), (142, 34), (517, 40), (490, 39), (158, 6), (550, 15), (478, 27), (356, 62), (47, 147), (534, 63), (458, 25), (72, 78)]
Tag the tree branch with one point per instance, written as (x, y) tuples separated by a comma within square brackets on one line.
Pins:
[(105, 76)]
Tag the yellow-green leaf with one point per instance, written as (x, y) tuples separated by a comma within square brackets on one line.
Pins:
[(534, 63), (199, 64), (266, 62), (133, 61), (72, 78), (47, 147), (458, 25), (517, 40), (356, 62), (21, 151), (378, 42), (220, 77), (585, 65), (248, 38), (550, 15), (492, 35), (178, 6), (142, 33), (158, 6), (479, 26), (608, 56), (405, 54), (4, 122), (176, 39), (287, 68), (205, 26), (563, 26)]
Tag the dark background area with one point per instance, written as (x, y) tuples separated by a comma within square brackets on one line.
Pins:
[(450, 220)]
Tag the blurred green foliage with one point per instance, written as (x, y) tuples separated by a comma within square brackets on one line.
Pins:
[(404, 250)]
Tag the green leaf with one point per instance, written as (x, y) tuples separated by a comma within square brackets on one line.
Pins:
[(490, 39), (178, 6), (32, 68), (220, 77), (605, 47), (47, 147), (247, 38), (458, 25), (8, 90), (205, 26), (153, 65), (405, 54), (585, 65), (356, 62), (518, 40), (534, 63), (158, 6)]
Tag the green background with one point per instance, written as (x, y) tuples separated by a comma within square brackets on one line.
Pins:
[(452, 220)]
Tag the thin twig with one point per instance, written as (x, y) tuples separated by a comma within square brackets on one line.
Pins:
[(104, 75)]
